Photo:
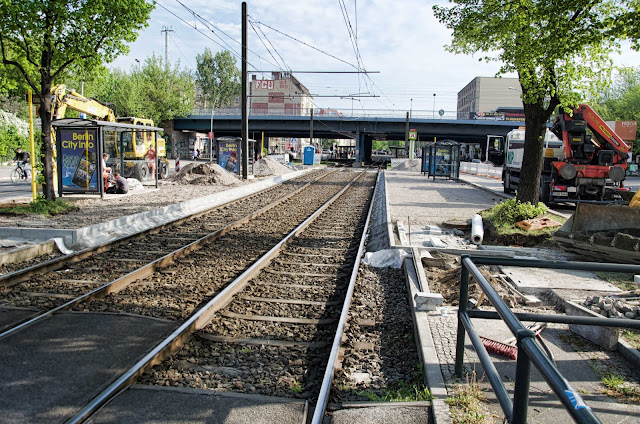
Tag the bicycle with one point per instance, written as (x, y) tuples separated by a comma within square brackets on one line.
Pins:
[(19, 174)]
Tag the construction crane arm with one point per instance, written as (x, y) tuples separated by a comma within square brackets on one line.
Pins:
[(63, 99)]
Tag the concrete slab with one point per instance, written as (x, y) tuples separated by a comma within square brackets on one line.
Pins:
[(394, 413), (152, 404), (9, 316), (538, 280), (73, 356)]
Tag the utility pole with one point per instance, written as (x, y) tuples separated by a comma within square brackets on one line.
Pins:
[(245, 103), (311, 129), (166, 31)]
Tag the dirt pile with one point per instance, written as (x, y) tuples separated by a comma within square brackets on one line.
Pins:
[(269, 166), (204, 174)]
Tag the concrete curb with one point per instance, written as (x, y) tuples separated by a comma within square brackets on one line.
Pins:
[(103, 232), (427, 349)]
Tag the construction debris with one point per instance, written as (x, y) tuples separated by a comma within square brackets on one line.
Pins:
[(614, 307), (537, 224)]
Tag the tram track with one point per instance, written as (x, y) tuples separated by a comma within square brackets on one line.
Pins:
[(163, 239), (173, 286), (55, 284), (296, 241)]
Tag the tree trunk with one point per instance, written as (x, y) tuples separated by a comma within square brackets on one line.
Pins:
[(47, 142), (535, 116)]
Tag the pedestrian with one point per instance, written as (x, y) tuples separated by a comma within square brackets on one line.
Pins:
[(121, 186)]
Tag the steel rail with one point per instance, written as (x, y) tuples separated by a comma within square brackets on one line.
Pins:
[(325, 388), (24, 274), (199, 319), (150, 268)]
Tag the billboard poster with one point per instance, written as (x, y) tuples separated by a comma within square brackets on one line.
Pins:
[(228, 155), (79, 157)]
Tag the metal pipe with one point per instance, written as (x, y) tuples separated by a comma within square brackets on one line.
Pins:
[(561, 319), (507, 315), (567, 394), (477, 230), (490, 369), (460, 339), (580, 266)]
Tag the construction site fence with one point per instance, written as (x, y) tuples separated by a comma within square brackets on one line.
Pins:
[(529, 351), (482, 169)]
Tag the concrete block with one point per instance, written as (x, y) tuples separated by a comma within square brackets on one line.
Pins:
[(427, 301), (606, 337)]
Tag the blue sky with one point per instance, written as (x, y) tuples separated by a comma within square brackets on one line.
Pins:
[(400, 40)]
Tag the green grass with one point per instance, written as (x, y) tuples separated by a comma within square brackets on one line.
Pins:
[(466, 402), (506, 214), (632, 337), (296, 387), (42, 207), (616, 386), (401, 392), (621, 280)]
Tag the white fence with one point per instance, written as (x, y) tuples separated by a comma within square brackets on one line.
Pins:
[(483, 169)]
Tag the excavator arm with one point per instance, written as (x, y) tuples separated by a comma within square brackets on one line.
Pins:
[(63, 99)]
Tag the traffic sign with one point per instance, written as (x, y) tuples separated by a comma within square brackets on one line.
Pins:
[(413, 134), (210, 135), (441, 112)]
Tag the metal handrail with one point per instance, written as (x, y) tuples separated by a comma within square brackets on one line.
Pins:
[(529, 351)]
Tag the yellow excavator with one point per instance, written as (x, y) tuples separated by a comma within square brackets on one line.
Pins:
[(134, 144)]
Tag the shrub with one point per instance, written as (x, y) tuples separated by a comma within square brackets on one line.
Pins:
[(511, 211)]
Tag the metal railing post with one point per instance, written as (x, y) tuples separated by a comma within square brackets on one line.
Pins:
[(462, 309), (521, 387)]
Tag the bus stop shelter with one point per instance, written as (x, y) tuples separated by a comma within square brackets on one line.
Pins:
[(441, 159), (80, 144)]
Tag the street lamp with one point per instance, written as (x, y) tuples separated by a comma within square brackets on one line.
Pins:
[(138, 61), (434, 105)]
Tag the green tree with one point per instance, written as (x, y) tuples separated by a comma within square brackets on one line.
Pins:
[(165, 92), (560, 51), (622, 101), (218, 77), (44, 39)]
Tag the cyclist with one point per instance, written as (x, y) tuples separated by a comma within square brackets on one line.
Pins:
[(22, 157)]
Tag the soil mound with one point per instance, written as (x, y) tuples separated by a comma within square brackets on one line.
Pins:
[(204, 174), (412, 165), (269, 166)]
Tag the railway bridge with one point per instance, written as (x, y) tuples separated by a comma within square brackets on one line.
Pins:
[(362, 129)]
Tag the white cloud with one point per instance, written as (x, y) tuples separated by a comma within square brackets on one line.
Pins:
[(401, 39)]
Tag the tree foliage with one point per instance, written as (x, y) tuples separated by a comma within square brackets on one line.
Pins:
[(622, 101), (218, 77), (43, 39), (559, 50)]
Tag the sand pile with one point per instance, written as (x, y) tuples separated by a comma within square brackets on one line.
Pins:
[(412, 165), (269, 166), (204, 174)]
